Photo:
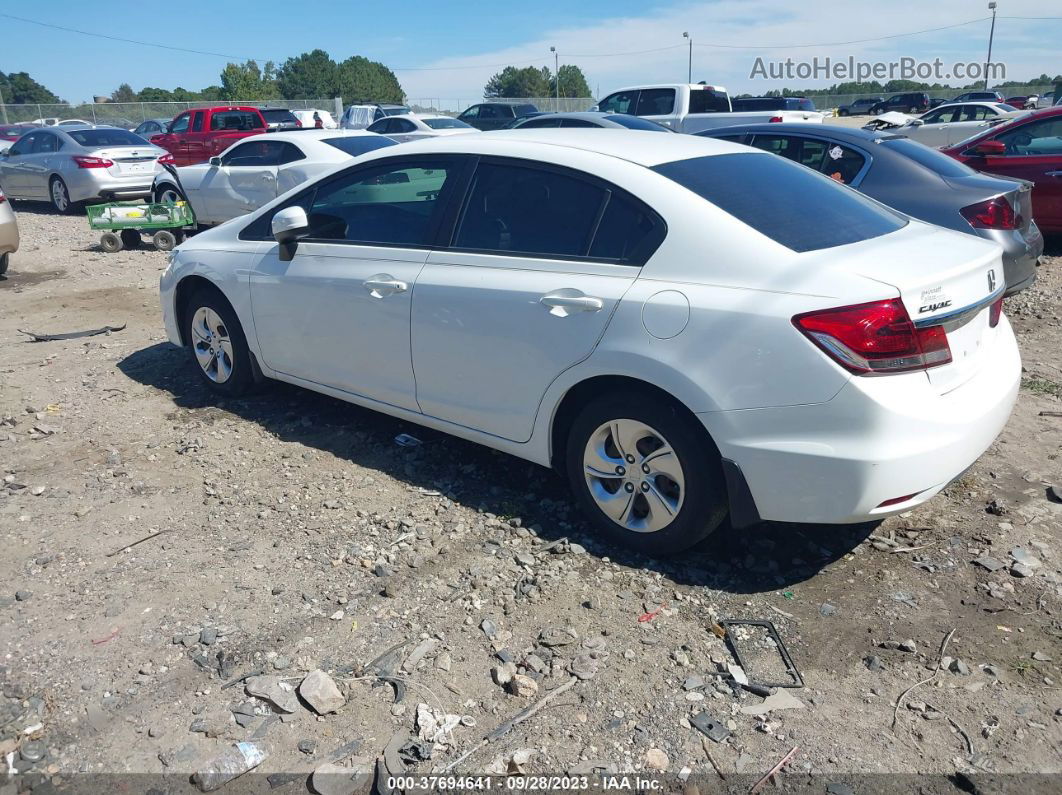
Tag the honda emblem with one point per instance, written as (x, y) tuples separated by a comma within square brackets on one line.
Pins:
[(991, 280)]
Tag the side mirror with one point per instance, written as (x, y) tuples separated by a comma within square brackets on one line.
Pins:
[(288, 226), (215, 161), (5, 153), (990, 148), (917, 122), (594, 109)]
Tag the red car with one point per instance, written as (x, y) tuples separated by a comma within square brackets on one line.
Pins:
[(195, 136), (1029, 147), (12, 132)]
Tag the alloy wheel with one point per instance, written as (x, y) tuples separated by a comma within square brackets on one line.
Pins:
[(60, 198), (212, 345), (634, 475)]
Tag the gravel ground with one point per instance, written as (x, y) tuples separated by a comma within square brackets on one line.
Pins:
[(288, 533)]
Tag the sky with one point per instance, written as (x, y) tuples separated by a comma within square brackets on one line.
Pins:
[(448, 50)]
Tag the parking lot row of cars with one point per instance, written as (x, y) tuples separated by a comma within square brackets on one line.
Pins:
[(770, 317)]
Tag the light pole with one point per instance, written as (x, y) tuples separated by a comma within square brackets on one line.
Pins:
[(3, 108), (689, 77), (991, 33), (556, 74)]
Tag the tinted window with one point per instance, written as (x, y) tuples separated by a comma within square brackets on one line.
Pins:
[(528, 210), (402, 126), (279, 115), (24, 145), (826, 215), (107, 137), (629, 231), (290, 153), (355, 145), (379, 126), (390, 205), (446, 124), (976, 113), (180, 124), (806, 151), (46, 143), (254, 153), (470, 113), (197, 121), (1043, 137), (634, 123), (708, 101), (585, 122), (235, 120), (656, 102), (541, 121), (620, 102), (935, 161)]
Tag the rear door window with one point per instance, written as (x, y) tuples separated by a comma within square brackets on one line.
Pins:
[(629, 231), (827, 214), (708, 101), (656, 102), (46, 143)]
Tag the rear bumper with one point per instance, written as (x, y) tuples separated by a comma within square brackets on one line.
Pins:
[(878, 439), (1020, 255), (8, 229), (86, 185)]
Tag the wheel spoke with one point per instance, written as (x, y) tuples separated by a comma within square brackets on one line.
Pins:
[(224, 367), (226, 348), (662, 509), (617, 506), (664, 461), (200, 331), (598, 463), (626, 435)]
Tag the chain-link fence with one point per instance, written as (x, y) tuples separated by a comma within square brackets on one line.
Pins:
[(455, 106), (130, 114)]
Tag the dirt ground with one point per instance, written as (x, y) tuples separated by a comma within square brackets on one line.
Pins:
[(289, 532)]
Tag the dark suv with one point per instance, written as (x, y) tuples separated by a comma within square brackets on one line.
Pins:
[(771, 103), (494, 115), (917, 102)]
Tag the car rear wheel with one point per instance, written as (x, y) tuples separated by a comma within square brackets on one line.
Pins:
[(60, 196), (645, 473), (5, 260), (218, 345)]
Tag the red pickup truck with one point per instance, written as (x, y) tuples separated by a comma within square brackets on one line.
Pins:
[(195, 136)]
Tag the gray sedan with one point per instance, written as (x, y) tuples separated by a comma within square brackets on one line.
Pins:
[(620, 121), (70, 165), (914, 179), (8, 233), (151, 127)]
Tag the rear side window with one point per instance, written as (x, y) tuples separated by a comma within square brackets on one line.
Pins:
[(707, 101), (355, 145), (541, 121), (514, 209), (633, 123), (827, 214), (656, 102)]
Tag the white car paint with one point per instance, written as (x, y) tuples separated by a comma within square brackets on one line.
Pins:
[(224, 190), (466, 342), (407, 127), (306, 117), (948, 124)]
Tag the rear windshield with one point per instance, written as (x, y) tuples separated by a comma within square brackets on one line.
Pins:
[(446, 124), (106, 137), (279, 115), (355, 145), (935, 161), (787, 202), (634, 123), (235, 120)]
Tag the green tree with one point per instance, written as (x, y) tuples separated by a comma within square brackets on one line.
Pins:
[(572, 82), (359, 79), (19, 87), (124, 93), (248, 82), (514, 82), (311, 75)]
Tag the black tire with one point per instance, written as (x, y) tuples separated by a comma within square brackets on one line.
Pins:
[(110, 242), (165, 192), (59, 196), (704, 504), (5, 260), (164, 240), (842, 112), (130, 238), (241, 379)]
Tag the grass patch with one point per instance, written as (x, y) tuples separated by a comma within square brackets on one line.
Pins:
[(1042, 386)]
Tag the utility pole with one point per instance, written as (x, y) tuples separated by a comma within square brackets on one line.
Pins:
[(556, 74), (689, 76), (3, 108), (991, 34)]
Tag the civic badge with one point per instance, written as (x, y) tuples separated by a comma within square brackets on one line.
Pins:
[(991, 280)]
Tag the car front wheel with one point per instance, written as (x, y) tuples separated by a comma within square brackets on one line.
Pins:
[(218, 345), (645, 473)]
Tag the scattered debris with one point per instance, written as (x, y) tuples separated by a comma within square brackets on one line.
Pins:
[(783, 699), (405, 440), (320, 692), (71, 335), (276, 691), (930, 678), (776, 640), (710, 727), (435, 726), (133, 544), (655, 759), (233, 762), (770, 774)]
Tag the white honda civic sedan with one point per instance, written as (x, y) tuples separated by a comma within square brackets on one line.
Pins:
[(684, 327)]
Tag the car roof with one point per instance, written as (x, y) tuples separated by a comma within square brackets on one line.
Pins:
[(834, 131), (309, 134), (988, 103), (636, 146)]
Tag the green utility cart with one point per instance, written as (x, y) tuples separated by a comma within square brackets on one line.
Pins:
[(125, 222)]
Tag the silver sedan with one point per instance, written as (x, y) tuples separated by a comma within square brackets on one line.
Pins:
[(69, 165), (8, 233)]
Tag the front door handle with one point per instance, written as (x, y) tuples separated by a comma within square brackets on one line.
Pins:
[(382, 285), (567, 302), (1053, 173)]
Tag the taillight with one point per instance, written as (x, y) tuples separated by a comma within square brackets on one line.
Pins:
[(877, 337), (774, 119), (995, 311), (167, 160), (92, 162), (298, 123), (992, 214)]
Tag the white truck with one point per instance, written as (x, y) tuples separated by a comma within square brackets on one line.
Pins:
[(692, 107)]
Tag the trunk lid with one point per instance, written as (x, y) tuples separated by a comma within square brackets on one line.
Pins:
[(1016, 191), (130, 160), (944, 278)]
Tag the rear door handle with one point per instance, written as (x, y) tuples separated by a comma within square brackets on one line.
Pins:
[(382, 285), (1053, 173), (568, 302)]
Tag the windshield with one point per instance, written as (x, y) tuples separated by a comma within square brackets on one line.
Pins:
[(446, 124), (634, 123), (106, 137), (355, 145), (828, 214)]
